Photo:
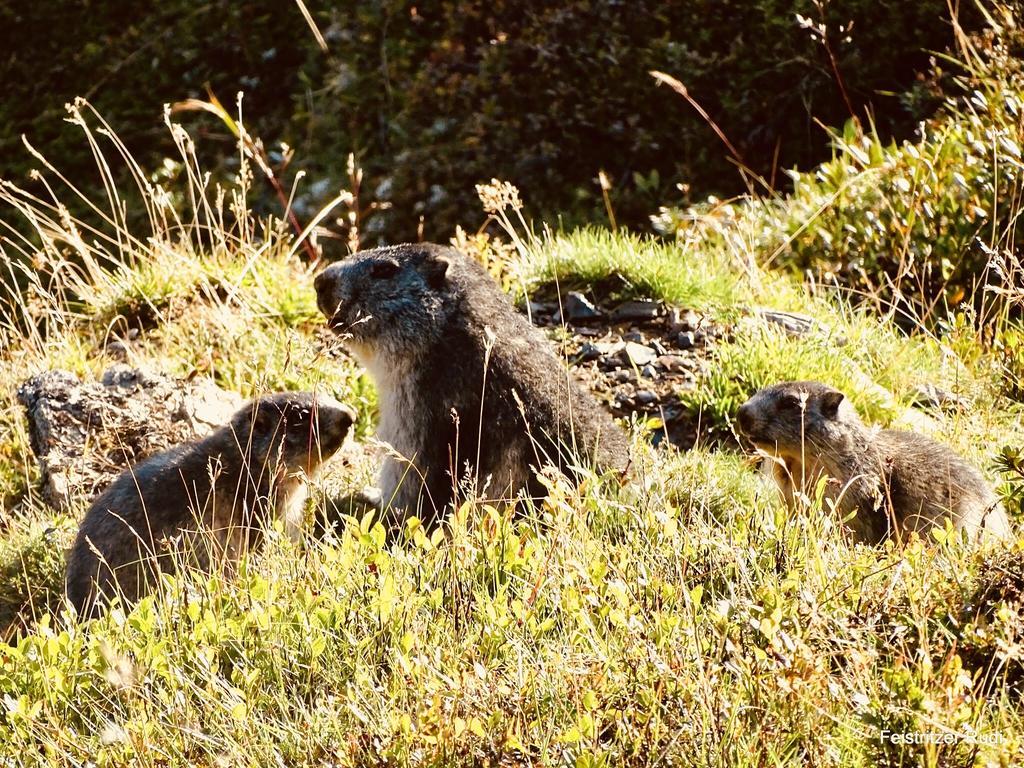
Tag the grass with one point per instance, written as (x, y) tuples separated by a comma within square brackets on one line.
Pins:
[(686, 618)]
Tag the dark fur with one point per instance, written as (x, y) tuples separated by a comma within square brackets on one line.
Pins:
[(206, 500), (436, 333), (890, 478)]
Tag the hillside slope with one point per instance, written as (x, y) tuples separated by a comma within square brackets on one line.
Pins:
[(685, 618)]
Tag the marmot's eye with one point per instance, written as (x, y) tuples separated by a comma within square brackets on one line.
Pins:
[(382, 270), (789, 402)]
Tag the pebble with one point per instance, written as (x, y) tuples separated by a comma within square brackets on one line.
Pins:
[(541, 308), (673, 363), (931, 396), (117, 350), (649, 372), (639, 354), (588, 352), (646, 397), (792, 323), (685, 340), (636, 310), (682, 320), (576, 308)]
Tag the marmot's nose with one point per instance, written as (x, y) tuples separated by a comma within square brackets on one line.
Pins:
[(744, 418), (323, 285)]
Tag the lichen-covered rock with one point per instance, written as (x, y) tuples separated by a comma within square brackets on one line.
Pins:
[(86, 433)]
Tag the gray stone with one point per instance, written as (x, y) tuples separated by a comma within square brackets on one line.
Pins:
[(610, 348), (84, 434), (682, 320), (685, 340), (792, 323), (646, 397), (649, 372), (577, 308), (638, 354), (623, 401), (673, 363), (589, 352), (931, 396), (636, 310), (542, 308)]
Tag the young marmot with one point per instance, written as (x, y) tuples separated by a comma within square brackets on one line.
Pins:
[(205, 500), (893, 480), (467, 386)]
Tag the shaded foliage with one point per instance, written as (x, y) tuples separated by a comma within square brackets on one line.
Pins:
[(434, 98)]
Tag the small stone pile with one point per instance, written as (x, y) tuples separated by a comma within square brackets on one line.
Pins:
[(86, 433), (637, 355)]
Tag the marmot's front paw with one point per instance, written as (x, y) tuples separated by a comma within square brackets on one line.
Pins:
[(331, 514)]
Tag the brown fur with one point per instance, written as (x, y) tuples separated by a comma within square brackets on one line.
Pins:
[(203, 501), (893, 481), (468, 389)]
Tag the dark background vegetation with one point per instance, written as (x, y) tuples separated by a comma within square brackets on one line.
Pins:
[(434, 98)]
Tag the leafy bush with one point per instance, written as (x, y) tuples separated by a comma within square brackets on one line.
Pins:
[(433, 98), (921, 224)]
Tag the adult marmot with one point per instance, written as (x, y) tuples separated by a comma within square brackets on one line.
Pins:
[(206, 500), (892, 480), (468, 388)]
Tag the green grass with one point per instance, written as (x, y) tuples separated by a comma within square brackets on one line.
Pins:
[(685, 618), (630, 266)]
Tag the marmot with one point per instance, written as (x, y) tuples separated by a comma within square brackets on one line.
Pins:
[(893, 480), (467, 386), (205, 500)]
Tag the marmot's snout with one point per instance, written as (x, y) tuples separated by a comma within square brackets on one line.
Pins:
[(752, 425), (745, 418), (309, 428), (328, 300), (333, 422)]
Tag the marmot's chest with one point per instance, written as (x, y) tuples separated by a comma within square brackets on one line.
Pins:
[(404, 422)]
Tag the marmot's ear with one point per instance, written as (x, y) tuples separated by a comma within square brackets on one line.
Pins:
[(434, 269), (830, 402)]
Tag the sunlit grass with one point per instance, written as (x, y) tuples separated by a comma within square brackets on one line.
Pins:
[(684, 618)]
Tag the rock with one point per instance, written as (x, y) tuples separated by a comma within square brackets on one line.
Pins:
[(682, 320), (636, 310), (931, 396), (588, 352), (649, 372), (622, 375), (793, 324), (685, 340), (634, 336), (117, 349), (638, 354), (86, 433), (577, 308), (673, 363), (610, 348), (646, 397), (542, 308), (623, 401)]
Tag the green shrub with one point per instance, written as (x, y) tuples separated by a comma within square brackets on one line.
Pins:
[(918, 224), (436, 97)]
